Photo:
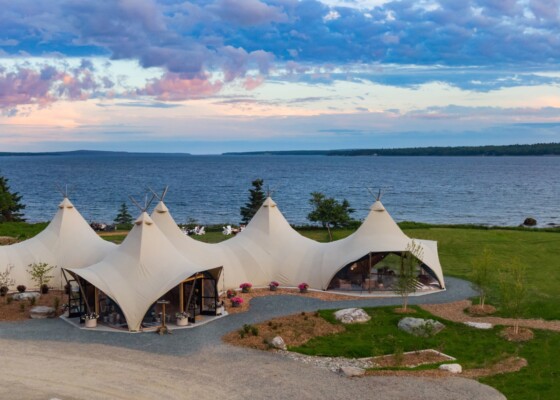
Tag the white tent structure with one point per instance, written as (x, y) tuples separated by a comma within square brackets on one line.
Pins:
[(270, 249), (141, 270), (67, 242)]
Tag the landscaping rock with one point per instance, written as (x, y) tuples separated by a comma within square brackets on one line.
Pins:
[(530, 222), (479, 325), (26, 296), (453, 368), (40, 312), (420, 327), (278, 343), (352, 371), (351, 315)]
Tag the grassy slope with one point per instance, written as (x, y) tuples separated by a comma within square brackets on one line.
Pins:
[(21, 230), (473, 349)]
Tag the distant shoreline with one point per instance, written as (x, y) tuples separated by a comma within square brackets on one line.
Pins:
[(538, 149)]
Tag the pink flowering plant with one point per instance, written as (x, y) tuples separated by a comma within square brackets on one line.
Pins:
[(236, 301), (303, 286), (246, 287), (273, 285)]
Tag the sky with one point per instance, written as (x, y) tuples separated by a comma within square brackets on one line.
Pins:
[(212, 76)]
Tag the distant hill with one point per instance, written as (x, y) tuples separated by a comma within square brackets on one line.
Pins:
[(83, 153), (539, 149)]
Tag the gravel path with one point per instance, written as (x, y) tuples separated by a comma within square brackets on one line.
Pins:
[(43, 359)]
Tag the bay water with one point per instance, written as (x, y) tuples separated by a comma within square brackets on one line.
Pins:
[(211, 189)]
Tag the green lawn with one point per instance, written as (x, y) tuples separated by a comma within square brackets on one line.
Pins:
[(21, 230), (473, 348)]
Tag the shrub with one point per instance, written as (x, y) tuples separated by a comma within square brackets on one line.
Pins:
[(21, 288), (40, 273), (32, 301), (56, 303), (5, 280), (21, 307), (9, 299), (4, 291)]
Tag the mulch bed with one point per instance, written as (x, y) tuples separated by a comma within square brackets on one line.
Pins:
[(261, 292), (522, 335), (409, 359), (7, 240), (13, 311), (479, 311), (294, 329)]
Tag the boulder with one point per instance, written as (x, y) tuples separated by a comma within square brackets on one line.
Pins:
[(26, 296), (351, 315), (40, 312), (453, 368), (420, 327), (278, 343), (479, 325), (530, 222), (351, 371)]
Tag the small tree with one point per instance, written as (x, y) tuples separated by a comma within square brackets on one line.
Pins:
[(5, 280), (482, 274), (329, 212), (406, 279), (40, 273), (513, 290), (256, 199), (123, 218), (10, 206)]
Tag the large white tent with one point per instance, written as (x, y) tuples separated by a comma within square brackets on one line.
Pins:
[(270, 249), (67, 242), (141, 270)]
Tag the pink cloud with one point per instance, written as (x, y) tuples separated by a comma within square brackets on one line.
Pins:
[(253, 83), (174, 87)]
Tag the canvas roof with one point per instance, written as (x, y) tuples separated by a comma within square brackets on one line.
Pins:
[(142, 269), (67, 242)]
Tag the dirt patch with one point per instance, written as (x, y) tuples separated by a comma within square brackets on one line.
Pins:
[(294, 329), (522, 335), (7, 240), (410, 359), (455, 312), (481, 311), (14, 312), (401, 310)]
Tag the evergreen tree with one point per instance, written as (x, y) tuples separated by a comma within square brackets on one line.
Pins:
[(329, 212), (10, 205), (123, 217), (256, 199)]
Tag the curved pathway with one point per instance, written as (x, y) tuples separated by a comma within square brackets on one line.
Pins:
[(44, 359)]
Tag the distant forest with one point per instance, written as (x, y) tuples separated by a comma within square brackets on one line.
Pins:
[(539, 149)]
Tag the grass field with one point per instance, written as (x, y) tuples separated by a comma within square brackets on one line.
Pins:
[(473, 348)]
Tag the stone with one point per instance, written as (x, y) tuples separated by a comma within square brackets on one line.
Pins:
[(26, 296), (351, 371), (351, 315), (530, 222), (278, 343), (420, 327), (453, 368), (40, 312), (479, 325)]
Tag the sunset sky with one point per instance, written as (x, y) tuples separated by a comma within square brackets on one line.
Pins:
[(233, 75)]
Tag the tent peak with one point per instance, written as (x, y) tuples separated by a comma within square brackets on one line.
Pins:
[(65, 203), (377, 206), (269, 202), (144, 218), (161, 208)]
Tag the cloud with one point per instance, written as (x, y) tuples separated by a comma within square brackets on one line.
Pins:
[(174, 87)]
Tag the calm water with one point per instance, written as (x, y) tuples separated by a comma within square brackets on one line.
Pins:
[(486, 190)]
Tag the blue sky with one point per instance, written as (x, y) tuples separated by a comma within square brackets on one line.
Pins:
[(227, 75)]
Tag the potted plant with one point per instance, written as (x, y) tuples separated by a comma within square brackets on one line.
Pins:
[(21, 288), (273, 286), (230, 293), (303, 287), (182, 318), (4, 290), (44, 288), (246, 287), (236, 301), (91, 319)]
